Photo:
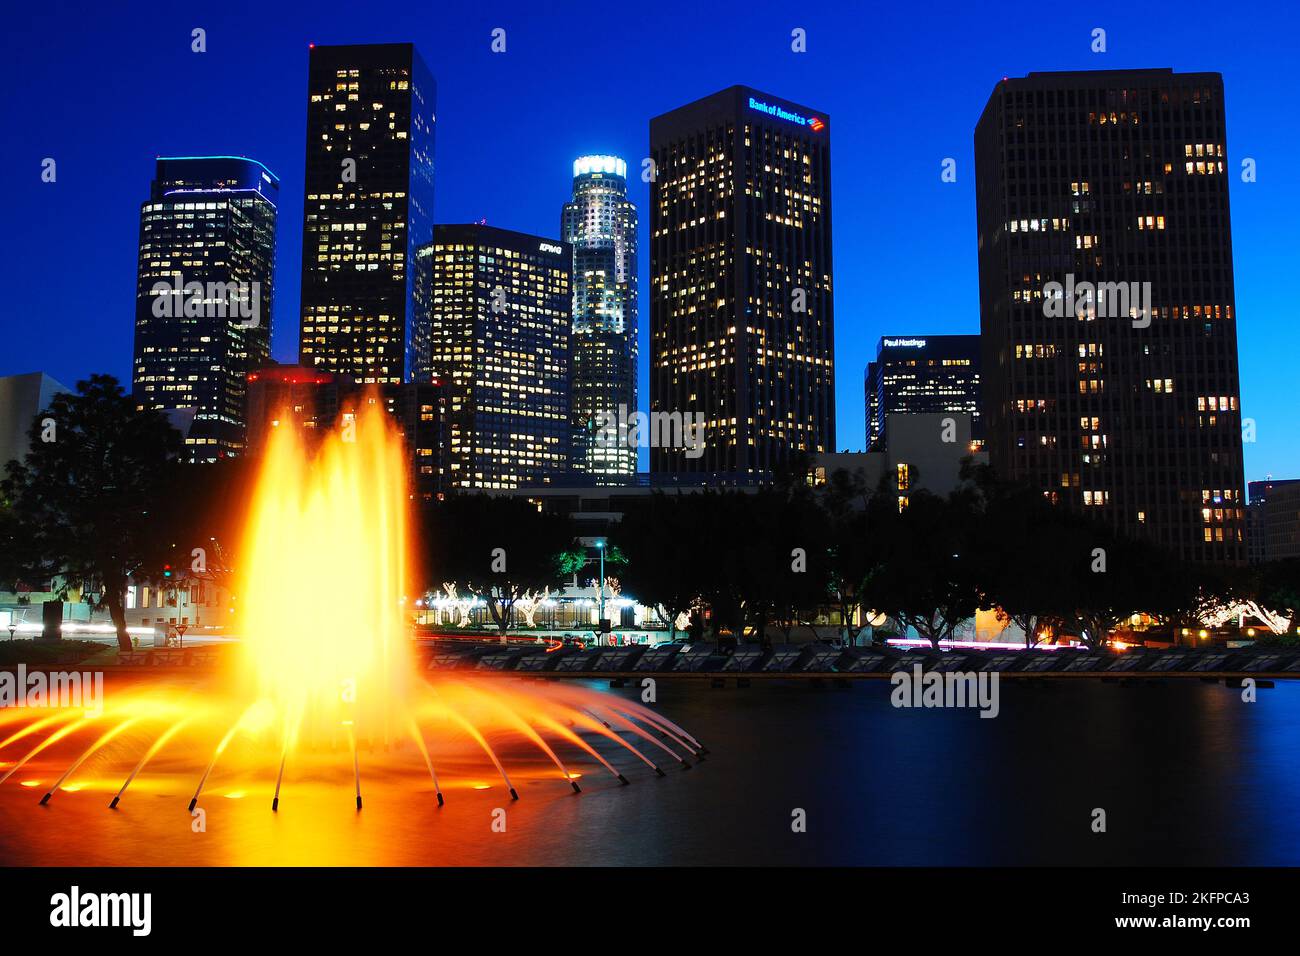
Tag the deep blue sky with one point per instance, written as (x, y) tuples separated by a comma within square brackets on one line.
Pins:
[(103, 91)]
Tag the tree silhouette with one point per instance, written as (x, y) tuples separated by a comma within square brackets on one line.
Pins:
[(78, 508)]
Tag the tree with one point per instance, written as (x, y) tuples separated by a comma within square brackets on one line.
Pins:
[(1113, 578), (781, 538), (1274, 592), (1024, 567), (77, 508), (928, 578), (500, 548), (665, 547), (853, 553), (1180, 594), (1278, 587)]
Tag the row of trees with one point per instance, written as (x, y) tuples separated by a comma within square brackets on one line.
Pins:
[(750, 565), (782, 556), (101, 499)]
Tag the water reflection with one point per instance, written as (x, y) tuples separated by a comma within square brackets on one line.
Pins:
[(1187, 773)]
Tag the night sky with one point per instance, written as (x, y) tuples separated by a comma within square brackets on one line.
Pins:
[(103, 91)]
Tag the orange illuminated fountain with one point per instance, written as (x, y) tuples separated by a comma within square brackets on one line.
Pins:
[(326, 670)]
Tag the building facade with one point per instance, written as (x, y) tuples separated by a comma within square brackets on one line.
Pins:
[(367, 205), (1273, 519), (916, 458), (1107, 304), (204, 295), (741, 316), (918, 374), (500, 312), (21, 398), (600, 224)]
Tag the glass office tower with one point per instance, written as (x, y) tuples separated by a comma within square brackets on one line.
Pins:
[(501, 316), (922, 373), (1107, 311), (741, 315), (204, 295), (368, 204), (600, 224)]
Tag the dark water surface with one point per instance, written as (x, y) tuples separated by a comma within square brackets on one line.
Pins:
[(1187, 773)]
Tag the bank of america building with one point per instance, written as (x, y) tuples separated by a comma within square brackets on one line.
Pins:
[(741, 318)]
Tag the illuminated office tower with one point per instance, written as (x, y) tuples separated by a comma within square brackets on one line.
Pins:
[(203, 295), (919, 374), (600, 223), (741, 323), (1106, 301), (368, 204), (501, 315)]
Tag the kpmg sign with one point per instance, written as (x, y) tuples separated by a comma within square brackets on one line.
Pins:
[(816, 124)]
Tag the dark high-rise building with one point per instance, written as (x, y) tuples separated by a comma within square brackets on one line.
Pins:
[(930, 373), (368, 204), (741, 320), (204, 295), (600, 223), (1273, 519), (501, 316), (1106, 301)]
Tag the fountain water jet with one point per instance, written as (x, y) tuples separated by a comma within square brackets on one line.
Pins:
[(156, 746), (335, 524), (101, 742)]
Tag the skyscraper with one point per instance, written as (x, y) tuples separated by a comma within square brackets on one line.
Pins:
[(741, 319), (204, 295), (368, 204), (501, 316), (600, 223), (930, 373), (1273, 519), (1106, 301)]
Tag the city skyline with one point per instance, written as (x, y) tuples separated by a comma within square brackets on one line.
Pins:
[(1257, 212)]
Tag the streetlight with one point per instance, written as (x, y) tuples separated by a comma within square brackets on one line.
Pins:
[(12, 628), (600, 617)]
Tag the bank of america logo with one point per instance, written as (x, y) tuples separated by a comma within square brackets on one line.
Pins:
[(817, 124)]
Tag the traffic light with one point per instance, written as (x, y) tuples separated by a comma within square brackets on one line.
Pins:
[(167, 570)]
